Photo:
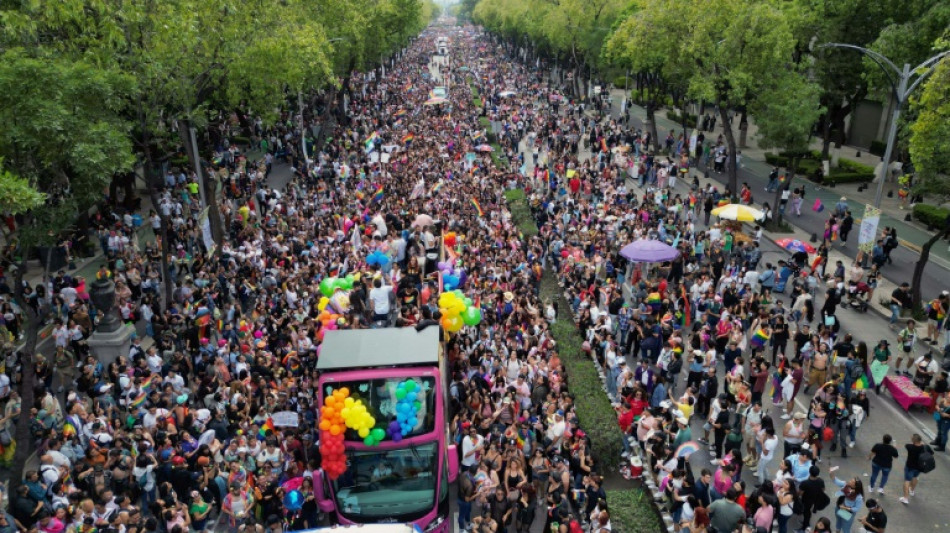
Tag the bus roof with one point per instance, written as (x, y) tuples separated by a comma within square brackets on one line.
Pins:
[(384, 347), (366, 528)]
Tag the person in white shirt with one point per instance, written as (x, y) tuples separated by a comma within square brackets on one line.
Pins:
[(472, 445), (379, 296), (769, 443), (556, 429)]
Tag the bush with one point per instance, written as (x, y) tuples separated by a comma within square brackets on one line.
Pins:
[(632, 511), (776, 160), (237, 139), (878, 148), (931, 215), (678, 118), (850, 166), (808, 167), (849, 177), (621, 82)]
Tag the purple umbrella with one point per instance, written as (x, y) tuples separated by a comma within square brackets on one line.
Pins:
[(647, 251)]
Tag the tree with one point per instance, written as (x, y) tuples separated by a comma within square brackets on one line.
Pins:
[(930, 153), (786, 120), (16, 194), (724, 51)]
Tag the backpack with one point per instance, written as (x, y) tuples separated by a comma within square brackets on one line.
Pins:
[(925, 461), (856, 371), (675, 366)]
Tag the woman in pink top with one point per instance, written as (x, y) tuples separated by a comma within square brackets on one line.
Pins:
[(764, 515)]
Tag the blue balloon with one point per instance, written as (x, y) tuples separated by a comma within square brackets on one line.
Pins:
[(293, 500), (412, 396), (383, 260), (413, 422)]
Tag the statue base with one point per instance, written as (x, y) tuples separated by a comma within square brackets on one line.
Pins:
[(107, 347)]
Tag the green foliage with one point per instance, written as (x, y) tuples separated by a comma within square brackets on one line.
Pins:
[(678, 118), (931, 215), (930, 134), (848, 165), (785, 119), (633, 511), (848, 177), (16, 194), (65, 133)]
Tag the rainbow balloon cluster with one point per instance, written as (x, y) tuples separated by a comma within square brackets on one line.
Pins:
[(409, 396), (332, 425), (458, 311)]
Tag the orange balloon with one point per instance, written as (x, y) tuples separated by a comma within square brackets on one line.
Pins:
[(345, 392), (325, 425), (335, 429)]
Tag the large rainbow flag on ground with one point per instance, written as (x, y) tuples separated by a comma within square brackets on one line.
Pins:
[(759, 338)]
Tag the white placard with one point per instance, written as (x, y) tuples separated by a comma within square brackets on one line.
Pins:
[(285, 419)]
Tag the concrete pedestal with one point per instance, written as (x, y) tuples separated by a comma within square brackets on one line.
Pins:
[(108, 346)]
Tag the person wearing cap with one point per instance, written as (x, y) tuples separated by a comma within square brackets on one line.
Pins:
[(876, 520), (936, 313), (925, 369), (683, 433)]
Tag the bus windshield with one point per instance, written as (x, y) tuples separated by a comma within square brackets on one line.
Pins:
[(381, 396), (397, 484)]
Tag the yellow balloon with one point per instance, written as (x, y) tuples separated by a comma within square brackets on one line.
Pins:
[(345, 413), (349, 402), (322, 304), (364, 432)]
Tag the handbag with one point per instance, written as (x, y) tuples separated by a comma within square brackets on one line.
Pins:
[(844, 514)]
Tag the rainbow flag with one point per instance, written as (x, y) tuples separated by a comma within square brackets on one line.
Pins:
[(687, 319), (370, 141), (477, 207), (378, 195), (407, 138), (147, 385), (759, 338), (654, 301), (359, 194), (603, 145), (724, 201), (478, 136), (437, 187), (861, 383), (69, 430), (139, 400), (401, 113), (267, 428)]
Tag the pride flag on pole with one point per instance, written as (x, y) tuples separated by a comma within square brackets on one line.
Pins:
[(478, 208), (378, 195), (370, 142)]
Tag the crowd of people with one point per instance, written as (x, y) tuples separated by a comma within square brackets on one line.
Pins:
[(126, 447)]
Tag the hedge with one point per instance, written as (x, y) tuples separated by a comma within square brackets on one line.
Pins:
[(854, 167), (632, 510), (849, 177), (878, 148), (677, 118), (931, 215)]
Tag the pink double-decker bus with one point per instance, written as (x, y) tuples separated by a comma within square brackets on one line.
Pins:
[(403, 480)]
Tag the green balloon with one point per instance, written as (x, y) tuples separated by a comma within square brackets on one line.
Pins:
[(472, 316), (369, 441), (327, 285), (400, 392), (409, 385), (468, 302), (378, 434), (459, 293), (417, 405), (348, 282)]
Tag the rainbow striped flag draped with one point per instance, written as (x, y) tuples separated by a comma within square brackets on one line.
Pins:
[(378, 195), (759, 338), (654, 301), (861, 383), (478, 208), (603, 145), (687, 318), (370, 141), (69, 430), (407, 138), (139, 400)]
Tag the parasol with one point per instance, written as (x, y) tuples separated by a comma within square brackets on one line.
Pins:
[(484, 148), (795, 245), (421, 221), (738, 212), (648, 251)]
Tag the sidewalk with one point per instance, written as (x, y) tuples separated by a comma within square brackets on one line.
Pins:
[(911, 234)]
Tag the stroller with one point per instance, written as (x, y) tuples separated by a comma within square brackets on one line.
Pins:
[(858, 296)]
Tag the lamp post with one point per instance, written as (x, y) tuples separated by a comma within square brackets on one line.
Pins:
[(903, 82)]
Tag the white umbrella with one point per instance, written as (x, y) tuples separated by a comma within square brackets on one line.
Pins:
[(421, 221)]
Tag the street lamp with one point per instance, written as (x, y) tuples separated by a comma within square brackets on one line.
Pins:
[(903, 83)]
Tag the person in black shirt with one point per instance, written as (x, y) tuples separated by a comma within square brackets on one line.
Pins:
[(876, 520), (882, 460), (780, 336), (911, 468), (500, 508), (813, 495)]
